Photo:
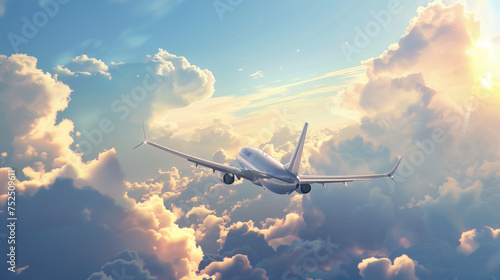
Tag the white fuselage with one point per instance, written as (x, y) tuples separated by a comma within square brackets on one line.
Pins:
[(255, 159)]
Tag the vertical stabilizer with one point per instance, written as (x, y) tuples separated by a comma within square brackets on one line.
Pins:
[(294, 164)]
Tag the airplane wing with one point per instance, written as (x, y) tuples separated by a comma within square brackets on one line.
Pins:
[(321, 179), (251, 175), (199, 161)]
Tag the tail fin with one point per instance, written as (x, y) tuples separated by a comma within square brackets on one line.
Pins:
[(293, 165), (143, 134)]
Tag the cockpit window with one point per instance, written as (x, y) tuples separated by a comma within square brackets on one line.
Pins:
[(247, 153)]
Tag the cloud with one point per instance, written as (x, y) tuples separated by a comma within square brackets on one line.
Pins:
[(467, 242), (85, 65), (243, 238), (31, 101), (453, 201), (105, 174), (472, 239), (44, 148), (2, 7), (126, 265), (155, 226), (85, 221), (202, 212), (282, 231), (373, 268), (184, 84), (78, 220), (267, 110), (257, 75), (406, 97), (237, 267), (184, 220), (64, 71), (39, 143)]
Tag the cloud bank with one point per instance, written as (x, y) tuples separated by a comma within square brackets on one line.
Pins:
[(430, 98)]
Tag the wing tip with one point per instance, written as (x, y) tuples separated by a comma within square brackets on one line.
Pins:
[(393, 171), (144, 135)]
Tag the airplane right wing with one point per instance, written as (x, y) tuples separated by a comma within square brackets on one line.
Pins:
[(321, 179)]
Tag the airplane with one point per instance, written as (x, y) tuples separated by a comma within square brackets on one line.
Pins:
[(263, 170)]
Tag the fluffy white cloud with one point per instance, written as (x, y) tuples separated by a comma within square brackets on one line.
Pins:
[(38, 143), (63, 70), (31, 100), (86, 221), (184, 84), (472, 239), (383, 268), (160, 235), (84, 65), (283, 231), (467, 242), (451, 186)]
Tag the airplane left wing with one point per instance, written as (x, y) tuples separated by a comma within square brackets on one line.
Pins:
[(238, 172), (320, 179), (199, 161), (251, 175)]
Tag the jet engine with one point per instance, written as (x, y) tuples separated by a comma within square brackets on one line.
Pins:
[(304, 188), (226, 178)]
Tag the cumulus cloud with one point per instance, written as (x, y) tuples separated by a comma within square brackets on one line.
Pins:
[(467, 242), (237, 267), (448, 184), (31, 100), (179, 224), (471, 240), (184, 84), (84, 220), (39, 143), (84, 65), (63, 70), (244, 238), (383, 268), (283, 231), (148, 228)]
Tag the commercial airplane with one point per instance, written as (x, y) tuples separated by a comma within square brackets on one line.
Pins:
[(262, 170)]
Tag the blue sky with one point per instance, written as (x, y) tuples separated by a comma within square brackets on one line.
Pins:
[(374, 80), (283, 40)]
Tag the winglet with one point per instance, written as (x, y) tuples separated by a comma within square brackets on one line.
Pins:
[(144, 134), (393, 171)]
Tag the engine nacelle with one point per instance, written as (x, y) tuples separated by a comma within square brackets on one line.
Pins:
[(304, 188), (226, 178)]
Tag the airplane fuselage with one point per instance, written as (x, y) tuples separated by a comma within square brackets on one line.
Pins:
[(255, 159)]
